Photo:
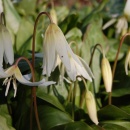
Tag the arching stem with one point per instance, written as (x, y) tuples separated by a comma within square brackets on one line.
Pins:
[(33, 93)]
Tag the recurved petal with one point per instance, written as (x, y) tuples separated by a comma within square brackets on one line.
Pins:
[(86, 67), (22, 80), (127, 61), (81, 71), (8, 48)]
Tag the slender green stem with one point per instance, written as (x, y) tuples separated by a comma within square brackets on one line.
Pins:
[(33, 93), (70, 93), (73, 101)]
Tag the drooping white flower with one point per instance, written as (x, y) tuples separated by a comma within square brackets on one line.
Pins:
[(121, 22), (13, 73), (6, 49), (55, 44), (91, 107), (127, 62)]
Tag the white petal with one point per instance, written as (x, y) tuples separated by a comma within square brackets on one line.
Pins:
[(60, 45), (109, 23), (47, 83), (73, 72), (81, 71), (2, 73), (8, 45), (74, 56), (49, 51), (28, 76), (5, 59), (87, 67), (22, 80)]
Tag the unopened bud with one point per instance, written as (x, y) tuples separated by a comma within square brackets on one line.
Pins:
[(127, 62), (107, 74), (91, 107)]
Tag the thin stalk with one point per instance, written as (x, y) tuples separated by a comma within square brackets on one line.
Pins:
[(73, 101), (70, 93), (94, 52), (115, 64), (33, 92)]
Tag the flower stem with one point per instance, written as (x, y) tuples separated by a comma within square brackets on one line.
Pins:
[(33, 93), (73, 100), (33, 98), (115, 64)]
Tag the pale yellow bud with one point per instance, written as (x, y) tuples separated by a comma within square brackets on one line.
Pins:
[(53, 15), (127, 62), (91, 107), (107, 74)]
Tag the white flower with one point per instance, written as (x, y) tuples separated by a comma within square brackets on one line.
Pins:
[(6, 49), (91, 107), (55, 45), (13, 73), (127, 62)]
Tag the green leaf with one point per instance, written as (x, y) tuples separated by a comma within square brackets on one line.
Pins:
[(26, 7), (51, 117), (116, 125), (74, 34), (5, 119), (112, 112), (69, 22), (77, 126), (12, 17), (49, 98), (23, 39)]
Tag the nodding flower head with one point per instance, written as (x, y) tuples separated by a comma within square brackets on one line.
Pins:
[(6, 49), (13, 73), (55, 44)]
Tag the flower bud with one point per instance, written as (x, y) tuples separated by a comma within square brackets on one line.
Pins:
[(107, 74), (91, 107), (127, 62)]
